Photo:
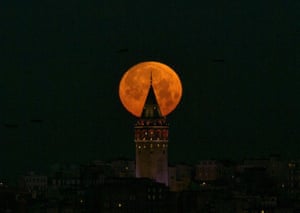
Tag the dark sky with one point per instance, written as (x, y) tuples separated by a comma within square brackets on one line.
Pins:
[(61, 64)]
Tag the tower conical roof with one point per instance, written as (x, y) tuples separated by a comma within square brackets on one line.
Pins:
[(151, 107)]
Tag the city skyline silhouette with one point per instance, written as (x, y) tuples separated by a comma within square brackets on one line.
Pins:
[(62, 64)]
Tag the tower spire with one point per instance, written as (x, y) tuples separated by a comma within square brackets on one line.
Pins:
[(151, 108)]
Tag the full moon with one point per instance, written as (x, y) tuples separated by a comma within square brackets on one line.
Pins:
[(135, 84)]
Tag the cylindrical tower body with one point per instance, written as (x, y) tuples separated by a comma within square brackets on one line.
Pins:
[(151, 142)]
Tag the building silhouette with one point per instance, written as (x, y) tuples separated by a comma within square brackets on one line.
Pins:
[(151, 141)]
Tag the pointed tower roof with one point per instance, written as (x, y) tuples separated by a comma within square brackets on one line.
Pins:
[(151, 107)]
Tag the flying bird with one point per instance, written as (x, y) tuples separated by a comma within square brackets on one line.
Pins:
[(217, 60), (10, 126)]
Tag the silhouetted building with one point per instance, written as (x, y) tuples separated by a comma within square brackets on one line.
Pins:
[(151, 142), (205, 200), (208, 170), (293, 178), (35, 184), (65, 177), (123, 168), (180, 177), (95, 173), (128, 195)]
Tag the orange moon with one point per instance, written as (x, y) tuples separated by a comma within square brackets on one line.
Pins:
[(135, 84)]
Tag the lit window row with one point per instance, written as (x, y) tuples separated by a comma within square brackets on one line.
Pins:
[(153, 197), (152, 146)]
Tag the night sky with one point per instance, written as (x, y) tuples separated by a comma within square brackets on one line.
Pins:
[(61, 64)]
